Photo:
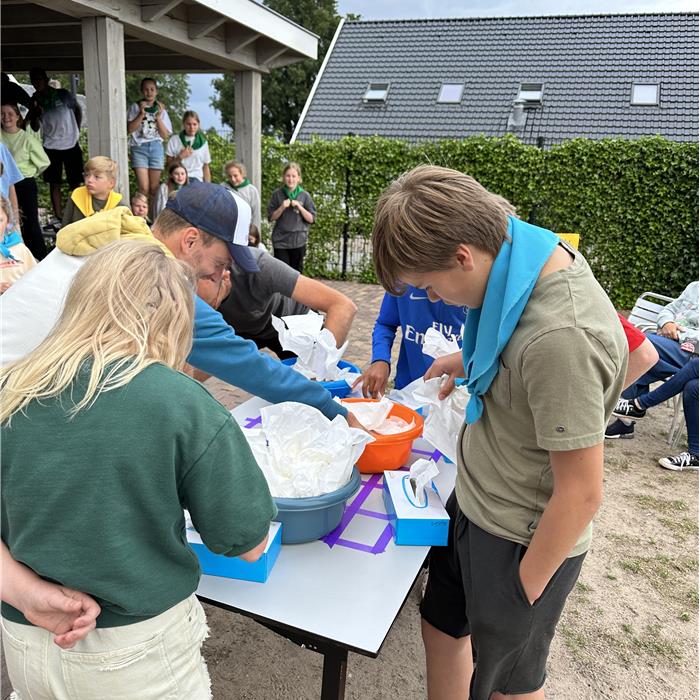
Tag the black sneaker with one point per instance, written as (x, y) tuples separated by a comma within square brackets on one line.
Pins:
[(618, 430), (628, 409), (680, 462)]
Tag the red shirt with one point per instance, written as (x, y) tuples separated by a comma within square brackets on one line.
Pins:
[(635, 337)]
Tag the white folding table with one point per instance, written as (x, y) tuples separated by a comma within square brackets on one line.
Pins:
[(338, 594)]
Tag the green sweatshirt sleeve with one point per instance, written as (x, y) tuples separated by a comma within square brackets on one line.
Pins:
[(227, 495)]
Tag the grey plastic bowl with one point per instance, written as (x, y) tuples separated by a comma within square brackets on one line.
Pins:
[(308, 519)]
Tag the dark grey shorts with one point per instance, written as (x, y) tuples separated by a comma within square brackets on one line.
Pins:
[(474, 589)]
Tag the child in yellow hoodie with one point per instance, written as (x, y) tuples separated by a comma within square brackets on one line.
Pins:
[(98, 192)]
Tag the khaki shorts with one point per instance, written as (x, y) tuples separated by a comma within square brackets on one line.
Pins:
[(158, 659)]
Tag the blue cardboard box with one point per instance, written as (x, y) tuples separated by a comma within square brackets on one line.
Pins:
[(235, 567), (414, 523)]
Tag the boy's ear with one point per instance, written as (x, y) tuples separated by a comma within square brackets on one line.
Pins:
[(464, 257)]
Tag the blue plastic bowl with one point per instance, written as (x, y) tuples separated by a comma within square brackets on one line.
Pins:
[(340, 388), (309, 519)]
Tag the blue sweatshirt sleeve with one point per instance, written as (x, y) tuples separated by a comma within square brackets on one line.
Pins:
[(217, 350), (385, 329)]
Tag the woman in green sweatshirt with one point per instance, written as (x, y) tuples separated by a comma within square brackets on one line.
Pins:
[(105, 442)]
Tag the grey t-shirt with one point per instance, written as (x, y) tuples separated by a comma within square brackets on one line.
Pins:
[(256, 296), (560, 376), (291, 230)]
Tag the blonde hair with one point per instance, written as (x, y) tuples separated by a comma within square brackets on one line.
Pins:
[(129, 306), (139, 196), (103, 166), (7, 209), (424, 215), (191, 114), (292, 166), (234, 164)]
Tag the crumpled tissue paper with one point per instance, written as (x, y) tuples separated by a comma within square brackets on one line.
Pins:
[(421, 473), (445, 418), (374, 416), (302, 453), (435, 345), (314, 345)]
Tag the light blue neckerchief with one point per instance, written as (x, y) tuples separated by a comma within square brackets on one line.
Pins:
[(8, 240), (488, 329)]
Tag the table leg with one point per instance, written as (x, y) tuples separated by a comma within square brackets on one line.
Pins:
[(335, 666)]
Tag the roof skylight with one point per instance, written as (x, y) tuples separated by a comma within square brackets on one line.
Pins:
[(645, 94), (451, 93), (531, 93), (376, 92)]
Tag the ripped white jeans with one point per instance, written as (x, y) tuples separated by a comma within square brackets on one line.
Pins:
[(158, 659)]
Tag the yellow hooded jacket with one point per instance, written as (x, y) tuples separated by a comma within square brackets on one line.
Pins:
[(88, 235)]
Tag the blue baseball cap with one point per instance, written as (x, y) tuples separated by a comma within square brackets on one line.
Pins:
[(219, 212)]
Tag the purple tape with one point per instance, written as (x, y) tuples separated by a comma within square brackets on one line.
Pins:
[(252, 422), (383, 541), (435, 455), (332, 537)]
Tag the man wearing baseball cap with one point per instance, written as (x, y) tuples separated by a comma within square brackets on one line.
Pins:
[(205, 225)]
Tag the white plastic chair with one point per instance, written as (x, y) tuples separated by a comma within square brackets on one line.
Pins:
[(644, 314)]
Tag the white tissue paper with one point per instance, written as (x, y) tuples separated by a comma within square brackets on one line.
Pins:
[(314, 346), (434, 345), (302, 453), (374, 416), (445, 418), (437, 345), (422, 472)]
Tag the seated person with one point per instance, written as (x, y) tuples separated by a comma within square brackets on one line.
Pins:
[(676, 344), (15, 257), (279, 290), (98, 192), (124, 333), (414, 313)]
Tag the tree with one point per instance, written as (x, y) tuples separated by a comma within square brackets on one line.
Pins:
[(284, 90)]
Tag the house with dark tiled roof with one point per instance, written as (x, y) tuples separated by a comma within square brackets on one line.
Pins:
[(544, 79)]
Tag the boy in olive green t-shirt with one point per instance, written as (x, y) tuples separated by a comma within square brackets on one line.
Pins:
[(544, 357)]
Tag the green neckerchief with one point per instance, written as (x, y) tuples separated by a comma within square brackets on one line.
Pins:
[(198, 142), (293, 194), (243, 184), (151, 110)]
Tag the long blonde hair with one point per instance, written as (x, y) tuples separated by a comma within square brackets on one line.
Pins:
[(129, 306)]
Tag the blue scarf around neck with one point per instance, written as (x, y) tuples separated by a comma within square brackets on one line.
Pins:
[(488, 329), (9, 239)]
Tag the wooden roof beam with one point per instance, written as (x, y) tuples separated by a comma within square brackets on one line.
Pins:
[(153, 10), (201, 22)]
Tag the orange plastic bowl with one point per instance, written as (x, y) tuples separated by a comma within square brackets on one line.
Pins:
[(389, 452)]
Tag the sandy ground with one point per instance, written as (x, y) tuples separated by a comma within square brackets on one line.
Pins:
[(629, 629)]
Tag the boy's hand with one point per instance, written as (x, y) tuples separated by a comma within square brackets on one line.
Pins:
[(374, 379), (287, 203), (69, 614), (451, 365)]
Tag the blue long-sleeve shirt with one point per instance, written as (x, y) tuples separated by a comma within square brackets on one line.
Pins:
[(414, 313), (217, 350)]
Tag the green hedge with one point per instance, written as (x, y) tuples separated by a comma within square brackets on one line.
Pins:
[(635, 203)]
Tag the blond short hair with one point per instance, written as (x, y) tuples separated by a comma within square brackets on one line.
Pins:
[(130, 305), (102, 166), (139, 196), (424, 215)]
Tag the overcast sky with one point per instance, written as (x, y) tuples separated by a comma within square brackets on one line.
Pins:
[(433, 9)]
